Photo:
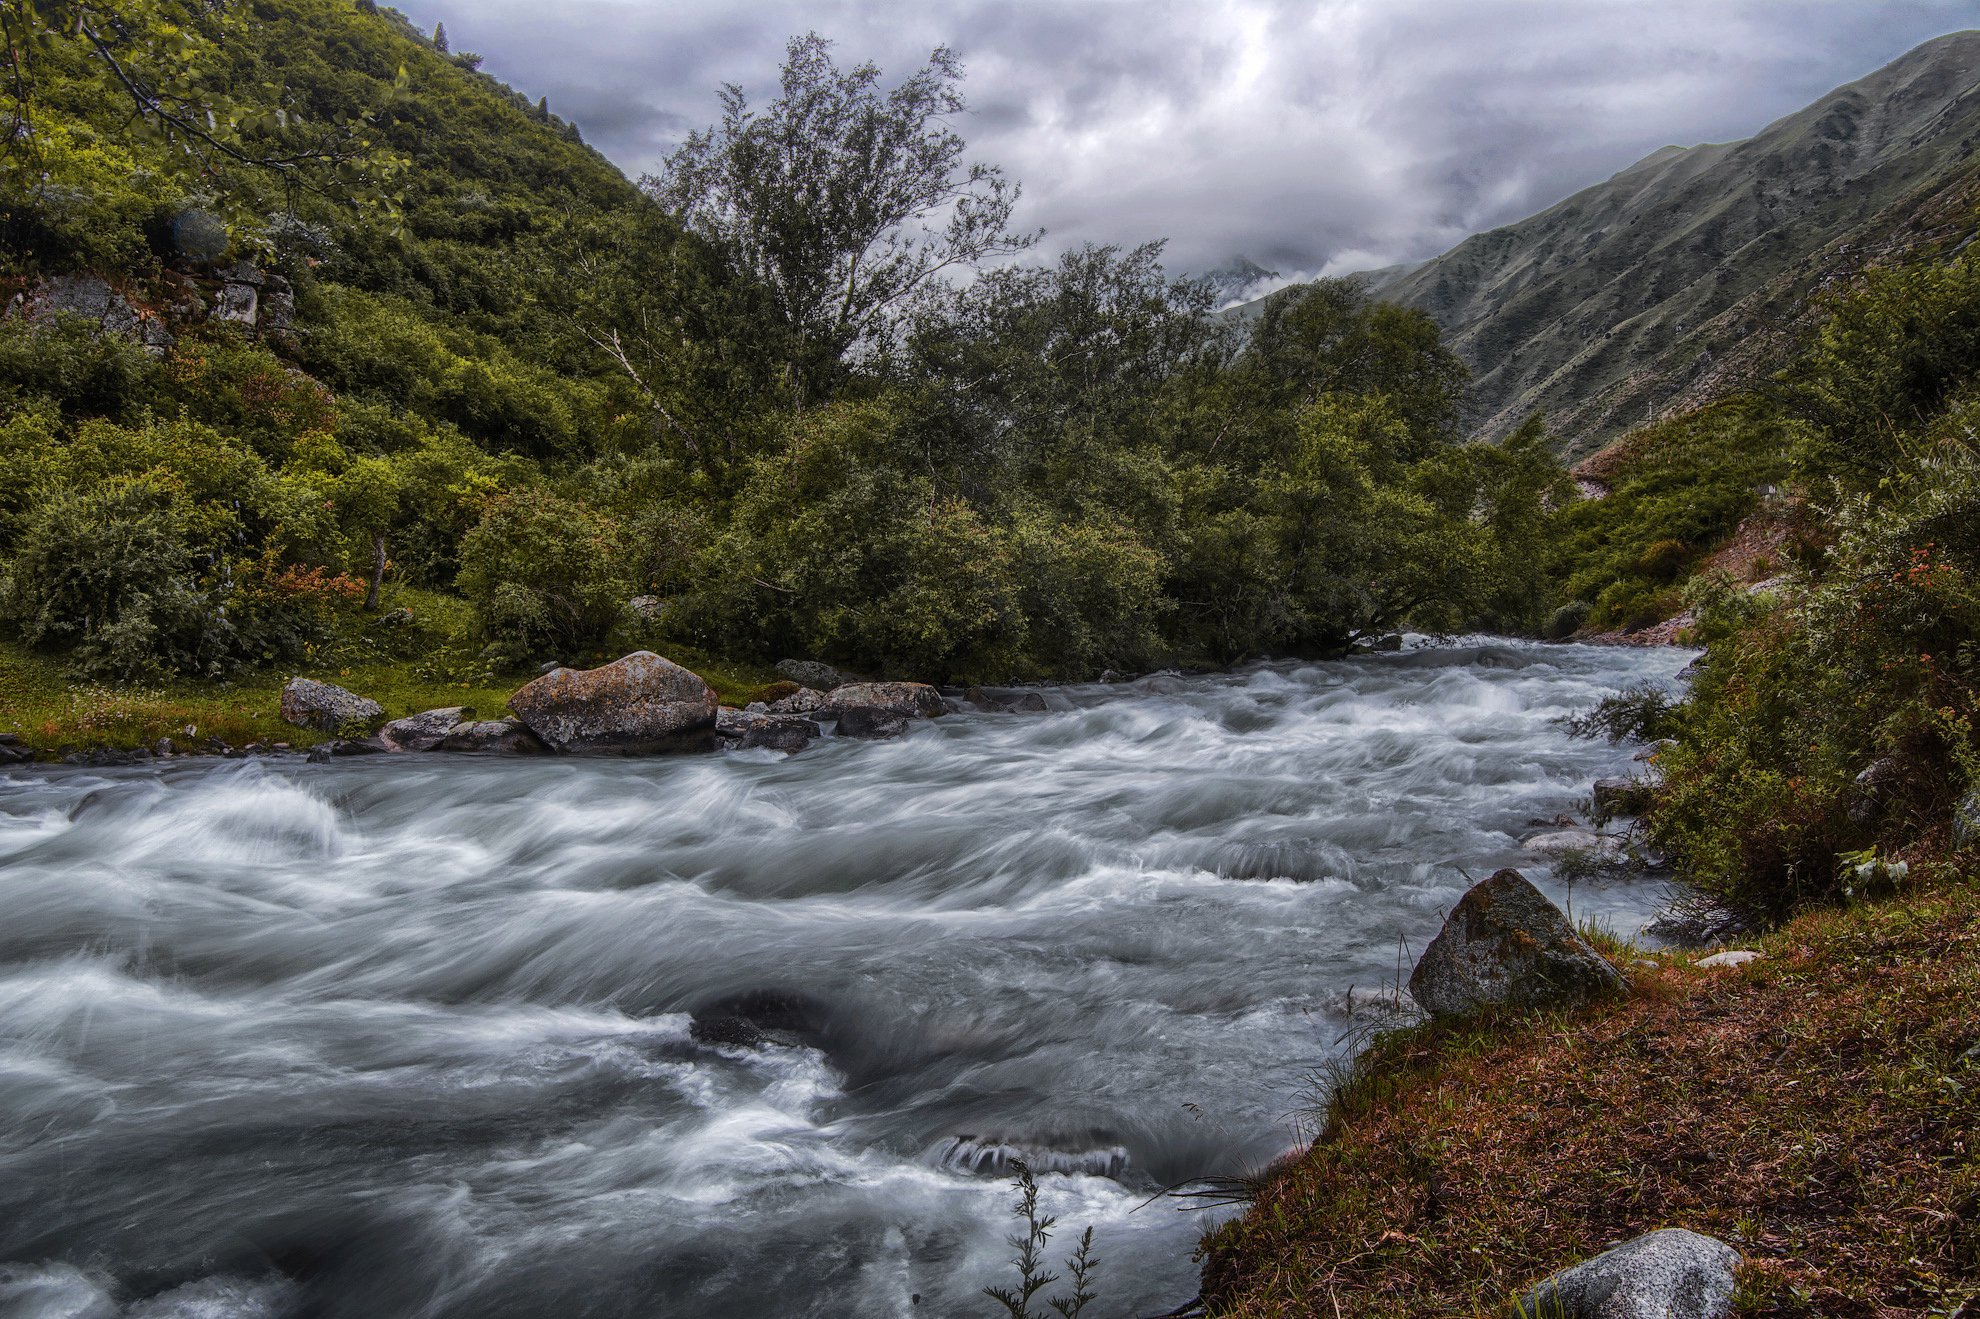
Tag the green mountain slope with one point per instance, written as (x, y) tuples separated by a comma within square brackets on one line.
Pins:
[(1676, 280), (1579, 311)]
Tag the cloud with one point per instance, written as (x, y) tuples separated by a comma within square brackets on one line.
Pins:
[(1326, 134)]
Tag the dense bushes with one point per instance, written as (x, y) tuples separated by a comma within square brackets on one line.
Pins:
[(1833, 729)]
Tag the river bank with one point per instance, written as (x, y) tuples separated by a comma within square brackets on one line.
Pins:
[(1816, 1108)]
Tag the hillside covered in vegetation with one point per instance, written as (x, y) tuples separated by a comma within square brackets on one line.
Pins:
[(326, 348)]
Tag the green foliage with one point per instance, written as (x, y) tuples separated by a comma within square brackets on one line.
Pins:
[(544, 575), (1678, 484), (1030, 1248), (1839, 718), (843, 201)]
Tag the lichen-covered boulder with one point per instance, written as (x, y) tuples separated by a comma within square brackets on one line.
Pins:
[(637, 705), (423, 731), (1966, 821), (909, 700), (788, 734), (1505, 945), (1671, 1274), (504, 737), (328, 708)]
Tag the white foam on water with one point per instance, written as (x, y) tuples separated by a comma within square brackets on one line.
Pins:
[(411, 1035)]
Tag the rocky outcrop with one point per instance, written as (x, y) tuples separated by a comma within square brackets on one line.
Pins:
[(909, 700), (508, 737), (640, 704), (328, 708), (757, 728), (810, 673), (1505, 946), (92, 298), (1672, 1274), (424, 731)]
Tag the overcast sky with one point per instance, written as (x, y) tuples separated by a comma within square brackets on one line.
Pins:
[(1327, 135)]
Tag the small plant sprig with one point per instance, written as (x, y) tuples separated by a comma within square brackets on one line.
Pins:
[(1030, 1262)]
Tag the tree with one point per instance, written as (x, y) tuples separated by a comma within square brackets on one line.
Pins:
[(845, 201), (440, 38)]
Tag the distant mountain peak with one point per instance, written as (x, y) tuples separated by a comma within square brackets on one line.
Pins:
[(1237, 279)]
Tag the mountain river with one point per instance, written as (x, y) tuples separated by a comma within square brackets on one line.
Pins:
[(411, 1036)]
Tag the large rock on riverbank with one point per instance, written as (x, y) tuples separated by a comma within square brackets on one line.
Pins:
[(1672, 1274), (909, 700), (636, 705), (328, 708), (1505, 945)]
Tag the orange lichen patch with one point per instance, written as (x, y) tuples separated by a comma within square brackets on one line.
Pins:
[(1818, 1110)]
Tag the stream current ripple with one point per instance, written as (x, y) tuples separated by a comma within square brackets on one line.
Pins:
[(417, 1036)]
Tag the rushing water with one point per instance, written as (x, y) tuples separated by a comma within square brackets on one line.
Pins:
[(409, 1036)]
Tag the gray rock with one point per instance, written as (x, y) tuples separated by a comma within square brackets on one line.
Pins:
[(731, 722), (15, 754), (810, 673), (1599, 847), (910, 700), (239, 303), (327, 707), (549, 666), (423, 731), (1671, 1274), (871, 722), (635, 705), (802, 701), (788, 734), (1505, 945), (1387, 645), (506, 737), (324, 752), (1731, 957), (646, 608), (1871, 789)]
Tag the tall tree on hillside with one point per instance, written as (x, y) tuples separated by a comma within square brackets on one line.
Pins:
[(846, 201)]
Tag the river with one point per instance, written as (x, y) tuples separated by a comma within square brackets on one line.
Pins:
[(410, 1036)]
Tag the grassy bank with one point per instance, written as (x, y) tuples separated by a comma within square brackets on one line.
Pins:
[(1818, 1110), (425, 665)]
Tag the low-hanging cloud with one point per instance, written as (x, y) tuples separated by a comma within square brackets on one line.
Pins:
[(1315, 136)]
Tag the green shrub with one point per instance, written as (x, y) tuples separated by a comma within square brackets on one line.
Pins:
[(545, 576)]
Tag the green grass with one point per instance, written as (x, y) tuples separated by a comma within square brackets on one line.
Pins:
[(1816, 1110), (429, 665)]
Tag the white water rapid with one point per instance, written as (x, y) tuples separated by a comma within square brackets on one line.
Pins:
[(410, 1036)]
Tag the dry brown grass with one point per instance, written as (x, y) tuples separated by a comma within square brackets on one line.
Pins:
[(1818, 1110)]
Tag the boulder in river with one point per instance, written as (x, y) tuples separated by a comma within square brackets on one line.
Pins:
[(1505, 945), (871, 723), (802, 701), (635, 705), (780, 733), (505, 737), (1670, 1274), (810, 673), (328, 708), (909, 700), (423, 731)]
